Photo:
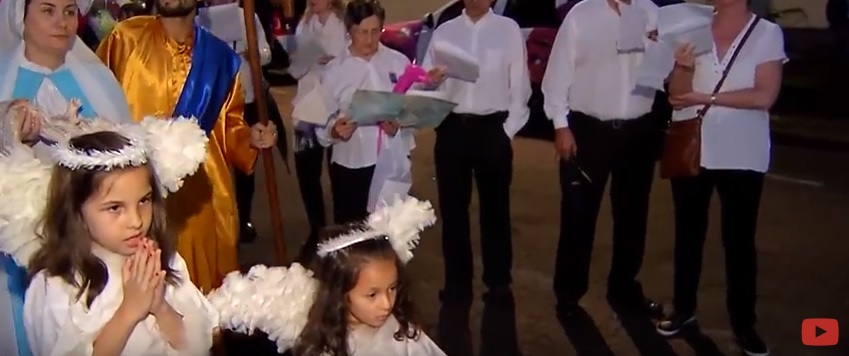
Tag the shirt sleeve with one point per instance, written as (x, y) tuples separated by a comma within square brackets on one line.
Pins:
[(262, 41), (49, 318), (232, 133), (519, 83), (559, 73), (331, 90), (200, 320), (771, 45)]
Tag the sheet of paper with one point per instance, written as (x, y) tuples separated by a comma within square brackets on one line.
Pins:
[(683, 17), (369, 107), (458, 63), (309, 50), (424, 109), (633, 28), (312, 108), (686, 23), (220, 21), (658, 61)]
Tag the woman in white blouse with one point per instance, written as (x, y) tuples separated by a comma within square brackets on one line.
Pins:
[(366, 64), (734, 159), (322, 22)]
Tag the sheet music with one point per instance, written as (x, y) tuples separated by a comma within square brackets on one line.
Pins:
[(312, 107), (419, 109), (370, 107), (458, 63), (658, 62), (219, 20), (309, 50), (686, 23)]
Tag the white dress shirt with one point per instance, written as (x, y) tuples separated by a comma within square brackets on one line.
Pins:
[(343, 77), (241, 46), (736, 138), (504, 84), (587, 73), (333, 38)]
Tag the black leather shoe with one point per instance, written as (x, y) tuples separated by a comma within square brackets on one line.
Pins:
[(247, 234), (751, 342), (673, 324), (568, 309), (640, 305)]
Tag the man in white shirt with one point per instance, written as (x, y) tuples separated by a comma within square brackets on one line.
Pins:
[(475, 141), (604, 127)]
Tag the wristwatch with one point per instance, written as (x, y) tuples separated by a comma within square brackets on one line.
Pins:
[(713, 99)]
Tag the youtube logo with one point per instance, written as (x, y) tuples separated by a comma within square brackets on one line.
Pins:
[(820, 332)]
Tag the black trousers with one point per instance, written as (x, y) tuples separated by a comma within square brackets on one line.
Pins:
[(244, 183), (739, 195), (349, 187), (309, 164), (625, 151), (475, 147)]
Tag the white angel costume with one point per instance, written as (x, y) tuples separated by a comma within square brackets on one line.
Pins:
[(277, 300), (51, 320)]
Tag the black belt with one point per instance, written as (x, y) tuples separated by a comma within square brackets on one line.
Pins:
[(613, 123), (498, 116)]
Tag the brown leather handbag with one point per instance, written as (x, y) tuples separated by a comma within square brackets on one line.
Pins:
[(682, 147)]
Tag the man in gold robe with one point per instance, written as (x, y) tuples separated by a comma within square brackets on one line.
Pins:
[(168, 67)]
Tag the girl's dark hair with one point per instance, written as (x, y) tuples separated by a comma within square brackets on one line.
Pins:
[(326, 332), (358, 10), (66, 252)]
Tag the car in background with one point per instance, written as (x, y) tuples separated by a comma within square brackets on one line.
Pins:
[(539, 21)]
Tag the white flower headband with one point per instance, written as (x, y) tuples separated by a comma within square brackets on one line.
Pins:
[(175, 148), (277, 300)]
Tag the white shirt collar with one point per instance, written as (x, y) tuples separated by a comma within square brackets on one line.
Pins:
[(468, 21)]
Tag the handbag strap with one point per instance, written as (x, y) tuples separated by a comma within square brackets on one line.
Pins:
[(727, 69)]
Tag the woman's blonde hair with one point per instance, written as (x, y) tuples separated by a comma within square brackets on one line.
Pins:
[(337, 7)]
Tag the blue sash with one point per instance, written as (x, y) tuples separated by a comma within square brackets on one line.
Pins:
[(16, 286), (28, 82), (214, 67)]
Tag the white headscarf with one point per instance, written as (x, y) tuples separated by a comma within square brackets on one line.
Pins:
[(101, 88)]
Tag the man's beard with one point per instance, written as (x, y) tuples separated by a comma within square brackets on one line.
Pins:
[(181, 10)]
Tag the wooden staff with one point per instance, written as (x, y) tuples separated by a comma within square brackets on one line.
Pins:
[(249, 8)]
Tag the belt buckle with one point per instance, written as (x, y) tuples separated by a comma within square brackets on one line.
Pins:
[(616, 123)]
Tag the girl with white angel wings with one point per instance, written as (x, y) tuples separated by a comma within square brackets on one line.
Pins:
[(106, 279), (356, 304)]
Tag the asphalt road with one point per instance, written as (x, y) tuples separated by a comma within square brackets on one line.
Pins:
[(802, 245)]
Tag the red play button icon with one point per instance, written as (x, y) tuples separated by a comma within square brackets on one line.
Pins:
[(820, 332)]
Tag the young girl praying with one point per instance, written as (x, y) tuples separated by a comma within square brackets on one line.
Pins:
[(356, 304), (106, 279)]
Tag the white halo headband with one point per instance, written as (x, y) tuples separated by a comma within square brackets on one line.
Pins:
[(175, 149), (400, 223), (277, 300)]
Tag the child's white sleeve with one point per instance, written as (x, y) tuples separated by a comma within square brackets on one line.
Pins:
[(200, 319), (426, 346), (49, 318)]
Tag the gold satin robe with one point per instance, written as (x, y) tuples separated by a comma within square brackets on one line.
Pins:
[(152, 69)]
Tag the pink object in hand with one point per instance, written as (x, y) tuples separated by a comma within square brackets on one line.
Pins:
[(412, 74)]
